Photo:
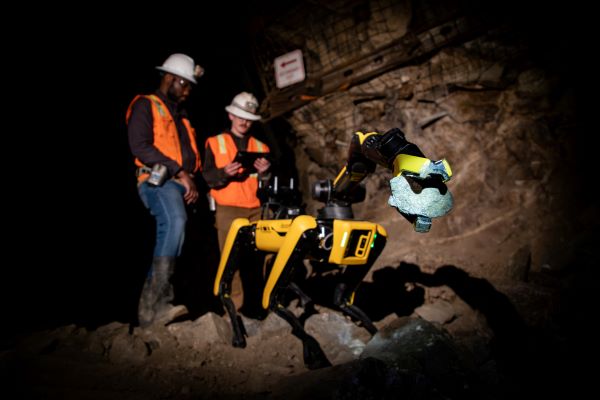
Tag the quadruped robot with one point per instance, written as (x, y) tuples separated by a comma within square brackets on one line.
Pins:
[(418, 191)]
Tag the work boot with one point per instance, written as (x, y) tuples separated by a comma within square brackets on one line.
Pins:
[(145, 309), (157, 293), (169, 313)]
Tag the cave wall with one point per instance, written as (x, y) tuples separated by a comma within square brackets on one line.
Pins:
[(495, 107)]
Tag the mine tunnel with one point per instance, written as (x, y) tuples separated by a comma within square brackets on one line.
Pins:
[(501, 285)]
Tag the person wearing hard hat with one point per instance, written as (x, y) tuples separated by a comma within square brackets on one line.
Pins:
[(232, 186), (163, 143)]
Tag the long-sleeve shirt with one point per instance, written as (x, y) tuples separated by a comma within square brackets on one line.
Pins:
[(141, 136)]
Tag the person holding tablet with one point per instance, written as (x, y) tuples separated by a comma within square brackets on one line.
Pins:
[(233, 186)]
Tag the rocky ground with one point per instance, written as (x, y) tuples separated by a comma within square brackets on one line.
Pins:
[(498, 340)]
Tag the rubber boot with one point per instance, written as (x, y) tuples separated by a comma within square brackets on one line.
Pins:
[(145, 311), (154, 306)]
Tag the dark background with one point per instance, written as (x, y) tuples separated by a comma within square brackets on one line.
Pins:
[(79, 239)]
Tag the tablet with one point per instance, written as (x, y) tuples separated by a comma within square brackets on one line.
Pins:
[(247, 158)]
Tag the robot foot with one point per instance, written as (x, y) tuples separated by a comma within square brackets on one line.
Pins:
[(314, 357), (239, 333)]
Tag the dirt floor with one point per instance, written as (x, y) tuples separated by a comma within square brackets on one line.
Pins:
[(193, 359)]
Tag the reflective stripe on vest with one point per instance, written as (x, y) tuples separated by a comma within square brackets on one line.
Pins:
[(222, 146), (237, 194), (166, 137)]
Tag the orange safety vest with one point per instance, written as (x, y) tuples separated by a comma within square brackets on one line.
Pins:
[(166, 138), (237, 194)]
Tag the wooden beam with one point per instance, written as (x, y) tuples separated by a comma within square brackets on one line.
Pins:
[(408, 49)]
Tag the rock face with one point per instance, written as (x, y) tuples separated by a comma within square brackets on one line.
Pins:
[(501, 115), (500, 107)]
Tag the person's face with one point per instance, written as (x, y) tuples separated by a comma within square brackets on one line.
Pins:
[(179, 89), (239, 125)]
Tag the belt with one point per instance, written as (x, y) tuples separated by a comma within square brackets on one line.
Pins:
[(145, 170)]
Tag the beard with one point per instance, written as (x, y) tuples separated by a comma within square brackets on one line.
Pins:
[(175, 95)]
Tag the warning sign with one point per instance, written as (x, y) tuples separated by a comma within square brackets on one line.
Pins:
[(289, 69)]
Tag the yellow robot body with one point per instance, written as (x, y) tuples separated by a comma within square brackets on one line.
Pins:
[(353, 240), (270, 234), (299, 225), (229, 240), (333, 237)]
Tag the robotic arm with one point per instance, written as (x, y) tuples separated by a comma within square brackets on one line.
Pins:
[(418, 187)]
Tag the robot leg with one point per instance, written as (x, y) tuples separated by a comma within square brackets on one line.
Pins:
[(298, 242), (351, 279), (314, 357), (237, 246)]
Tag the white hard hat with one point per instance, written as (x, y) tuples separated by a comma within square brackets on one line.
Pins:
[(183, 66), (244, 105)]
